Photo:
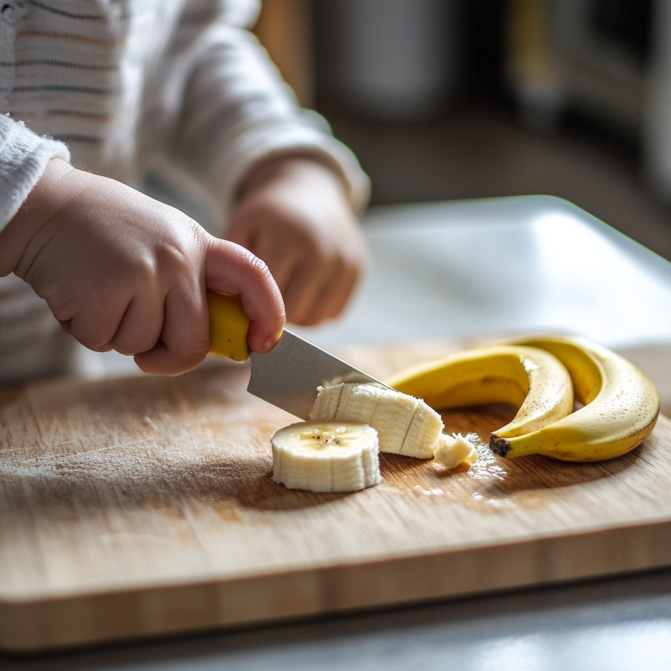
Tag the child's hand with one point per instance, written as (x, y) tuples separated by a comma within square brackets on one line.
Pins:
[(122, 271), (293, 214)]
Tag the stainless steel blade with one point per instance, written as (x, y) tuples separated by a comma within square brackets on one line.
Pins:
[(288, 376)]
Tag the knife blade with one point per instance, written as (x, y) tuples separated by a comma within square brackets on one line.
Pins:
[(288, 375)]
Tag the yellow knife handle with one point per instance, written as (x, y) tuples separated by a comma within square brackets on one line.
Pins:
[(228, 326)]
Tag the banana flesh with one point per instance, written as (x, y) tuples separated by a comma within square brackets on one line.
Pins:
[(405, 425), (620, 408), (454, 450), (528, 377), (326, 456)]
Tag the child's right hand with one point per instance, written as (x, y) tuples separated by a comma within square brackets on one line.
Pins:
[(122, 271)]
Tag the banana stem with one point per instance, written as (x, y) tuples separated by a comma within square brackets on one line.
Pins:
[(499, 446)]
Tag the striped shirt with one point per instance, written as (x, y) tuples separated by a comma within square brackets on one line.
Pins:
[(126, 85)]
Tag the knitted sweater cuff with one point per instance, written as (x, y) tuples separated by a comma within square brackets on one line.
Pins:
[(23, 158)]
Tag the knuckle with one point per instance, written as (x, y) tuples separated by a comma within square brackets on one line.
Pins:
[(259, 268)]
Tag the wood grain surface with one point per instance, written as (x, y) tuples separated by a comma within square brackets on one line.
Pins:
[(144, 506)]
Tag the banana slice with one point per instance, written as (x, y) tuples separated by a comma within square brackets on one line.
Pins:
[(455, 450), (405, 425), (326, 456)]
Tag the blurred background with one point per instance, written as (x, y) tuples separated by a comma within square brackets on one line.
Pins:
[(454, 99)]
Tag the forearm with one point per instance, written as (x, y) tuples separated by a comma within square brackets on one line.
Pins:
[(292, 165), (235, 112)]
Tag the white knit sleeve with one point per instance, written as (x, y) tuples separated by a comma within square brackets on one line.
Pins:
[(23, 158), (223, 107)]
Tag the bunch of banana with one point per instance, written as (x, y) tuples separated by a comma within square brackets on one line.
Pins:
[(620, 407), (326, 456), (620, 404)]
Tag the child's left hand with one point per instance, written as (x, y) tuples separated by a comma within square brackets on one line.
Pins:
[(293, 214)]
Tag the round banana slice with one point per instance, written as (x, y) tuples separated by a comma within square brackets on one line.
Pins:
[(326, 456)]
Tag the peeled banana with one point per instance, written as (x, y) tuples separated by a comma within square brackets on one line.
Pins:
[(528, 377), (405, 425), (326, 456), (620, 408)]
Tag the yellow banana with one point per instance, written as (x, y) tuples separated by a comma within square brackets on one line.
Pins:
[(620, 409), (528, 377)]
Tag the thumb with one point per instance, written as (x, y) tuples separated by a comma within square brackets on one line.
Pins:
[(232, 269)]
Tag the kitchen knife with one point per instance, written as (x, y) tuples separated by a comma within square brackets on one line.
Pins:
[(288, 375)]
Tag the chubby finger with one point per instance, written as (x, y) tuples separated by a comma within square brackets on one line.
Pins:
[(336, 294), (232, 269), (141, 326), (317, 294), (93, 321), (282, 260), (185, 334), (302, 294)]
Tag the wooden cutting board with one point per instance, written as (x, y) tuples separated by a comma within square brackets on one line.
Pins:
[(144, 506)]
